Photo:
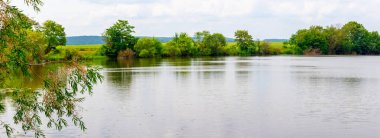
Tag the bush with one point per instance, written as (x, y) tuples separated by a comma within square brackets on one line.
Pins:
[(171, 50), (232, 50), (148, 47), (71, 54)]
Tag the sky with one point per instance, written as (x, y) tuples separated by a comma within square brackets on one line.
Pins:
[(262, 18)]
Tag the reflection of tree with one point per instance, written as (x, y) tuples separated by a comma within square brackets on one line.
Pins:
[(120, 78), (56, 99)]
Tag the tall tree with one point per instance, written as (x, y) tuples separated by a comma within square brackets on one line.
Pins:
[(311, 40), (55, 35), (355, 38), (334, 38), (118, 37), (245, 42), (210, 44)]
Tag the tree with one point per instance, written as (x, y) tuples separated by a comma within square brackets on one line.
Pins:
[(148, 47), (356, 38), (245, 42), (312, 40), (36, 44), (334, 38), (118, 37), (54, 34), (374, 43), (57, 98), (180, 45), (210, 44), (215, 42), (171, 49)]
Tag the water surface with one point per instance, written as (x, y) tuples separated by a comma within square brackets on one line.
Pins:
[(233, 97)]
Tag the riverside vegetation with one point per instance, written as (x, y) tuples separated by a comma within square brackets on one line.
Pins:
[(351, 39)]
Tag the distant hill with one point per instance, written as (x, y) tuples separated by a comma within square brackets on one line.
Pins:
[(276, 40), (90, 40), (84, 40)]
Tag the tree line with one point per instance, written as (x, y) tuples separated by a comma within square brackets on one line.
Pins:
[(121, 43), (351, 39)]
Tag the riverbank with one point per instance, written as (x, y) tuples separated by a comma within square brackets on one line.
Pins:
[(91, 52)]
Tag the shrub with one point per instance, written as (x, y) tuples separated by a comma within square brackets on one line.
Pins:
[(71, 54), (148, 47)]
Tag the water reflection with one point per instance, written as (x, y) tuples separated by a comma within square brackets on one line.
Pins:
[(234, 97), (47, 97)]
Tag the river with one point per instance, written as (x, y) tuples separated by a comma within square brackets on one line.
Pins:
[(269, 97)]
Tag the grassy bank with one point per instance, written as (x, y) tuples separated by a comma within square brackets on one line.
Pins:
[(85, 51), (92, 51)]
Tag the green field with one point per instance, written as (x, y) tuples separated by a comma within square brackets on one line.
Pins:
[(86, 51)]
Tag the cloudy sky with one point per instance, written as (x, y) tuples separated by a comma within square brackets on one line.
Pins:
[(262, 18)]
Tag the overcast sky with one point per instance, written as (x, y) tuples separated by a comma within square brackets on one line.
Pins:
[(262, 18)]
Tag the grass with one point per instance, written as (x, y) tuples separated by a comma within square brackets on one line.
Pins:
[(86, 51), (276, 47)]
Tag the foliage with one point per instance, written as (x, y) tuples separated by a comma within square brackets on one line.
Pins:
[(58, 102), (181, 45), (264, 48), (118, 37), (20, 44), (210, 44), (352, 38), (245, 43), (148, 47), (231, 49), (36, 45), (356, 38), (55, 35), (312, 38), (170, 49), (72, 55)]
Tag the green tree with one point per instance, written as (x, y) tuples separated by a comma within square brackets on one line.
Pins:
[(54, 34), (210, 44), (36, 44), (118, 37), (334, 37), (245, 42), (148, 47), (216, 42), (171, 49), (311, 40), (180, 45), (202, 48), (356, 38), (55, 100), (374, 43)]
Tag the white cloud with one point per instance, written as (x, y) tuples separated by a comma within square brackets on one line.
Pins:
[(263, 18)]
